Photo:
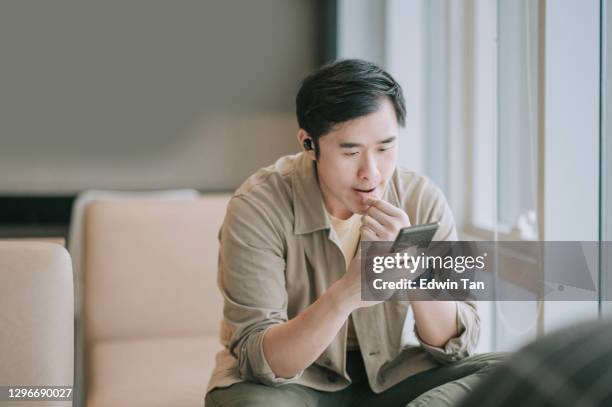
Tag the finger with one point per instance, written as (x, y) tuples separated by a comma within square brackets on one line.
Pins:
[(373, 224), (367, 234), (387, 208), (381, 217)]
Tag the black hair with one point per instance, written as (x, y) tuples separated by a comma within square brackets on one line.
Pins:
[(342, 91)]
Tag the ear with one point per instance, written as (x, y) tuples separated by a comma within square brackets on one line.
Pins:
[(302, 135)]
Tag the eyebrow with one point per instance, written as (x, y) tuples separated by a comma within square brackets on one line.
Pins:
[(353, 145)]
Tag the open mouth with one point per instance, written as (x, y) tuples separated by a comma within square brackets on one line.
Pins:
[(365, 191)]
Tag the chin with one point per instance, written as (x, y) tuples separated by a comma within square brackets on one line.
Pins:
[(359, 208)]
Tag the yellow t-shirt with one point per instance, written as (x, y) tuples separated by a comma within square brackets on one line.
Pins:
[(348, 234)]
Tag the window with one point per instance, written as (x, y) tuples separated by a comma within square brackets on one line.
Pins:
[(503, 113)]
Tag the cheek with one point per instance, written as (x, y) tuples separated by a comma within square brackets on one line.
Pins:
[(388, 165), (344, 178), (337, 174), (343, 169), (386, 168)]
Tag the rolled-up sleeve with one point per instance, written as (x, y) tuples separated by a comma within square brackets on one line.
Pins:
[(252, 282), (462, 345)]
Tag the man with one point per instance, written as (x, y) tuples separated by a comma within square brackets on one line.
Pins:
[(295, 329)]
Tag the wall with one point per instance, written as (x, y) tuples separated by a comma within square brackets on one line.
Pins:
[(149, 94)]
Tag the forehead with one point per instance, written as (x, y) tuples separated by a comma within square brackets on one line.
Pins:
[(371, 128)]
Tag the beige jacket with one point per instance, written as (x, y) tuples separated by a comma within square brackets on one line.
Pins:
[(278, 254)]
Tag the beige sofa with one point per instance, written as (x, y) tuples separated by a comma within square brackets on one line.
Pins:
[(75, 247), (36, 317), (151, 306)]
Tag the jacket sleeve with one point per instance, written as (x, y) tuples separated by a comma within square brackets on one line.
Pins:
[(463, 345), (467, 319), (252, 281)]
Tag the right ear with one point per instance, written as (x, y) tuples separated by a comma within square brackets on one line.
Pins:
[(302, 136)]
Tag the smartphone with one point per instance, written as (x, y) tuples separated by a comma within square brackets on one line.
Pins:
[(418, 235)]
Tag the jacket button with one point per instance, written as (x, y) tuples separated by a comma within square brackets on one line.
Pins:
[(331, 376)]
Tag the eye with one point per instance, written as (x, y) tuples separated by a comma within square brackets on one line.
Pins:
[(354, 153)]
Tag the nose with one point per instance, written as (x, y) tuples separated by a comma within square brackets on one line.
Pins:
[(368, 168)]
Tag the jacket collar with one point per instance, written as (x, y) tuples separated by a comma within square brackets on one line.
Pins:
[(308, 207)]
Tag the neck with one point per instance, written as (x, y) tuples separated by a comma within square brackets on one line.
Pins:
[(334, 208)]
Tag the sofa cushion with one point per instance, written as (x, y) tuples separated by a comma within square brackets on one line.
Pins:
[(151, 268), (151, 372), (36, 316)]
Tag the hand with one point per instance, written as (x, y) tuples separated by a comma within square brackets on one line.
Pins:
[(348, 288), (382, 221)]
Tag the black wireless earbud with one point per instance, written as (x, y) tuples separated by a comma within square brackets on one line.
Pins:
[(308, 144)]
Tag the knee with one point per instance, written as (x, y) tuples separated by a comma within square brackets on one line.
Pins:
[(490, 359), (252, 395), (236, 398), (226, 399)]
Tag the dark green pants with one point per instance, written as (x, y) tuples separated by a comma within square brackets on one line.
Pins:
[(441, 386)]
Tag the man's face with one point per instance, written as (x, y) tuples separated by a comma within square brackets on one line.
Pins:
[(357, 159)]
